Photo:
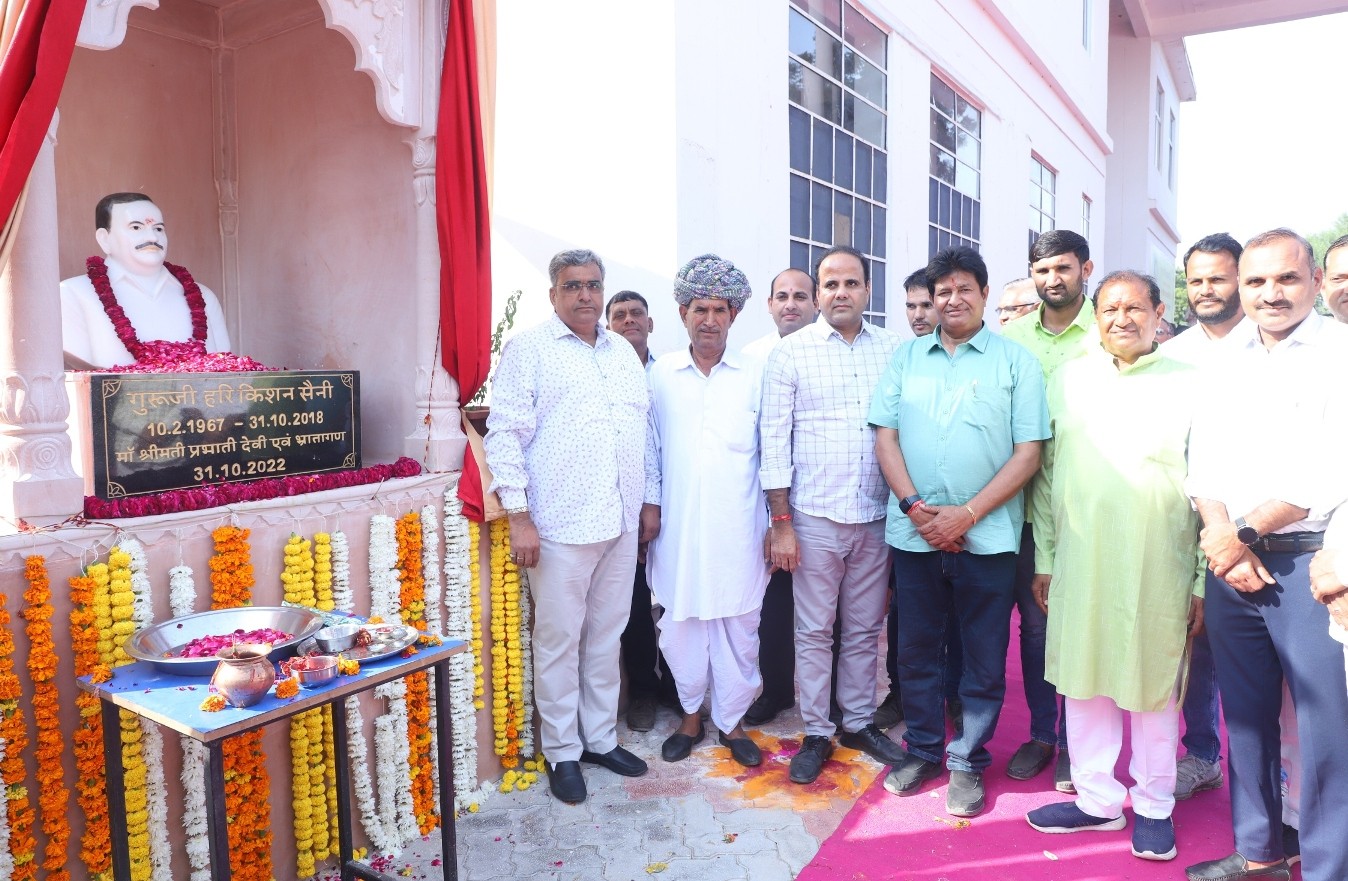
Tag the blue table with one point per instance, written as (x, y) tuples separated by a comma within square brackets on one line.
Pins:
[(175, 703)]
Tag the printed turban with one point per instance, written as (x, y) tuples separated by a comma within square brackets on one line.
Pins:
[(710, 278)]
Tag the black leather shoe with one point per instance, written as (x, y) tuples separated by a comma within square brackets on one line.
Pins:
[(806, 764), (641, 714), (566, 782), (742, 750), (677, 746), (909, 775), (873, 742), (889, 713), (1031, 759), (617, 760), (1235, 868), (964, 798), (763, 710)]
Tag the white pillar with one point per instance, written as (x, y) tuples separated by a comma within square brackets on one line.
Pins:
[(36, 479)]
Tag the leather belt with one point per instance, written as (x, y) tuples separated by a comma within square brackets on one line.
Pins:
[(1290, 543)]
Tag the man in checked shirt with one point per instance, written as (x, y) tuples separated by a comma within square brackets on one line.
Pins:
[(827, 502)]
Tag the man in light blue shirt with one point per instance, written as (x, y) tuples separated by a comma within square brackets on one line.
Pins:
[(959, 417)]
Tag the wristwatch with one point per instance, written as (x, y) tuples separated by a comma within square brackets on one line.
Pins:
[(906, 505), (1245, 533)]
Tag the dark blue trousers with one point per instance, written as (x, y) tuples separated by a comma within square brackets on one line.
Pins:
[(1258, 639)]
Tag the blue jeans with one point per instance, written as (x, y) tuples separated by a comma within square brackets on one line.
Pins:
[(1200, 703), (978, 589), (1040, 696), (954, 653)]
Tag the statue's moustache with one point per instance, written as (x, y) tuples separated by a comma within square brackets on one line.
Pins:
[(149, 245)]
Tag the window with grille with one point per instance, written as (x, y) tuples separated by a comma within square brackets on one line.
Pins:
[(954, 187)]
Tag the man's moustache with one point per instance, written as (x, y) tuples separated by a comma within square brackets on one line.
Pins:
[(149, 245)]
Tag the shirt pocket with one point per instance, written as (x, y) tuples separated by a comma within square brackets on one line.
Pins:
[(987, 404)]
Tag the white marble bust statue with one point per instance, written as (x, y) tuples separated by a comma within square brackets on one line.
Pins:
[(153, 301)]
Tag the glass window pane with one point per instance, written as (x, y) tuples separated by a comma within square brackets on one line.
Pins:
[(969, 117), (878, 236), (931, 242), (861, 32), (933, 189), (800, 256), (967, 212), (942, 97), (808, 42), (800, 206), (1036, 224), (827, 11), (813, 92), (943, 209), (863, 77), (978, 226), (842, 159), (943, 132), (966, 179), (942, 165), (956, 212), (878, 272), (822, 164), (880, 192), (967, 147), (799, 124), (816, 254), (1034, 194), (865, 120), (863, 171), (842, 219), (821, 212), (862, 229), (1049, 204)]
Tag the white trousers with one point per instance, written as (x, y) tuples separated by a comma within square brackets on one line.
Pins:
[(720, 652), (582, 597), (1095, 737)]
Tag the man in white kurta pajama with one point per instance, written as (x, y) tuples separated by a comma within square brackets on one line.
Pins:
[(706, 565)]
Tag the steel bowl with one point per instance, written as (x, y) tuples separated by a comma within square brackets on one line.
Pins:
[(314, 670), (161, 643), (338, 638)]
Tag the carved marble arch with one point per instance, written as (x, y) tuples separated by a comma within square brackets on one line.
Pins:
[(389, 38)]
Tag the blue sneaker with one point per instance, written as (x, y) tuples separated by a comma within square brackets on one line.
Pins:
[(1064, 816), (1153, 839)]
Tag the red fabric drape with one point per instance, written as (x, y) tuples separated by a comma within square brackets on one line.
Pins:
[(31, 75), (464, 227)]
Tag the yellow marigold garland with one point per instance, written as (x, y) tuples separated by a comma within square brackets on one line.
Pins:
[(22, 845), (475, 609), (309, 799), (323, 572), (298, 577), (507, 668), (412, 598), (122, 600), (52, 792), (90, 784), (247, 784)]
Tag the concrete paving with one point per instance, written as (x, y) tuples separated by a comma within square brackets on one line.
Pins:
[(702, 819)]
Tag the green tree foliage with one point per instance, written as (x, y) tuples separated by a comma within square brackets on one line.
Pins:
[(1320, 241), (1181, 315)]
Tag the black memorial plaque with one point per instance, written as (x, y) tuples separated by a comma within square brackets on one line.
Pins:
[(163, 431)]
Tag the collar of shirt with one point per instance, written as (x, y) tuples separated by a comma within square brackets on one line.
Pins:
[(1085, 319), (978, 341), (822, 330), (1307, 333), (729, 358), (119, 275), (559, 330)]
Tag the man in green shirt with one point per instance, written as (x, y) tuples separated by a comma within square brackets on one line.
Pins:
[(1060, 330)]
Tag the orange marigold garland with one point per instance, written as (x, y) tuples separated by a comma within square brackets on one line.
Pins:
[(247, 784), (413, 601), (52, 792), (21, 855), (90, 784)]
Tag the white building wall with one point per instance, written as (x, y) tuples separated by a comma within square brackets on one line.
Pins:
[(660, 131)]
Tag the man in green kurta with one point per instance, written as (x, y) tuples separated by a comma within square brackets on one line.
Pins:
[(1117, 565)]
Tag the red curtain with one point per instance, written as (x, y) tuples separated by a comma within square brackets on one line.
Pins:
[(31, 75), (464, 226)]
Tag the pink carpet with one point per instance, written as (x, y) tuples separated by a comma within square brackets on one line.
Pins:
[(914, 839)]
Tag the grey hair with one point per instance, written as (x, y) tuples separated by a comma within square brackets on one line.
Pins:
[(1128, 275), (1283, 234), (575, 257)]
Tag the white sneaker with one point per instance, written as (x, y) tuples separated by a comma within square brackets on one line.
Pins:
[(1193, 774)]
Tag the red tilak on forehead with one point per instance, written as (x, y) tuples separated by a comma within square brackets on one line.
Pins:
[(151, 221)]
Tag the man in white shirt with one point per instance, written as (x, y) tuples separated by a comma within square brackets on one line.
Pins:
[(793, 305), (157, 302), (1265, 501), (1336, 278), (826, 500), (566, 443), (706, 563), (1211, 270), (1019, 297)]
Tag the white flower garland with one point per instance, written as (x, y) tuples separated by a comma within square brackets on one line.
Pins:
[(342, 597), (182, 601), (6, 858), (432, 597), (392, 752), (152, 739), (458, 625)]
